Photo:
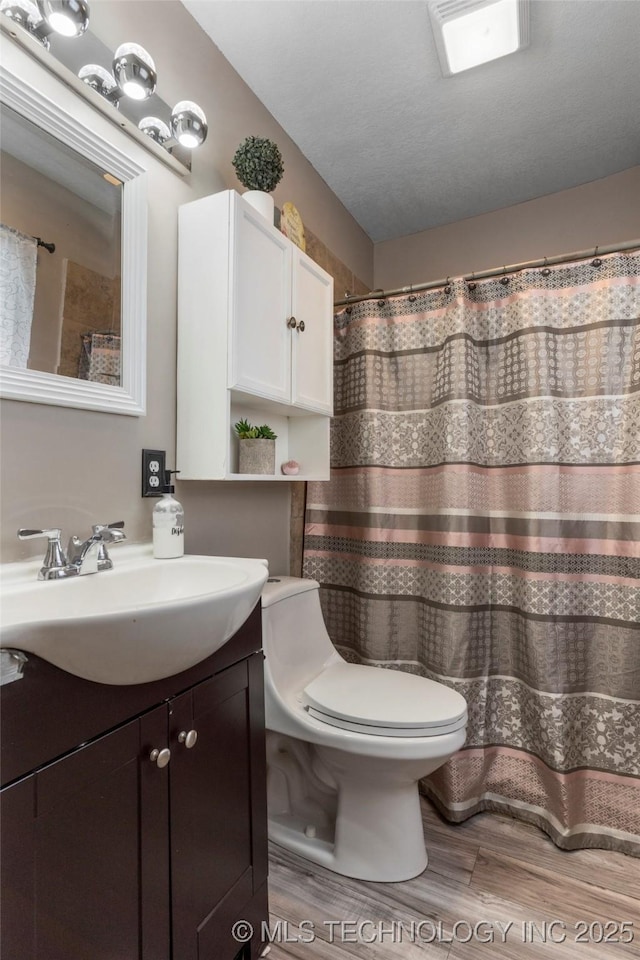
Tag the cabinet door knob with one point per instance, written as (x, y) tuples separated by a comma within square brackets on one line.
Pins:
[(291, 323), (160, 757), (188, 738), (301, 326)]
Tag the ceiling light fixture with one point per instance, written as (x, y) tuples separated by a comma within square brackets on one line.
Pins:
[(471, 32)]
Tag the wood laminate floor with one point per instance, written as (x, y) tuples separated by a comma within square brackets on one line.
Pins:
[(497, 884)]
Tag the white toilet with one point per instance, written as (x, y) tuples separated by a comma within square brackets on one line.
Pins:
[(347, 744)]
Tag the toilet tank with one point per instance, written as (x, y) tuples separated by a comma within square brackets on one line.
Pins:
[(295, 640)]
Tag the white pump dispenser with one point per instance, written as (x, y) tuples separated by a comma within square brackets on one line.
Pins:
[(168, 523)]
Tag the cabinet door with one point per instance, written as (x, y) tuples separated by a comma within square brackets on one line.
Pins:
[(17, 870), (313, 337), (260, 359), (212, 844), (87, 837)]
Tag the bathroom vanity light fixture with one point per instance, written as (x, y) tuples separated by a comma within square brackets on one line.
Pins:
[(132, 74), (69, 18), (100, 80), (188, 126), (155, 128), (471, 32), (134, 71)]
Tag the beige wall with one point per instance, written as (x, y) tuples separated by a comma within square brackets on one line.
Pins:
[(72, 468), (603, 212)]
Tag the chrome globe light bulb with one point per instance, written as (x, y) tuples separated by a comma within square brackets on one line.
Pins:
[(189, 124), (69, 18), (135, 71), (27, 15), (156, 129), (23, 12), (101, 81)]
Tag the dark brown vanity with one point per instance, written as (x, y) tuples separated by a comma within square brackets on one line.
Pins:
[(134, 817)]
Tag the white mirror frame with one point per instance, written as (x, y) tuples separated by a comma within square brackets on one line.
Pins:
[(33, 385)]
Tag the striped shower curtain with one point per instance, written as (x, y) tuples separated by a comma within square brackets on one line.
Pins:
[(482, 528)]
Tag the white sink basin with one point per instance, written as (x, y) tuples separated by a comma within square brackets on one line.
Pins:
[(144, 620)]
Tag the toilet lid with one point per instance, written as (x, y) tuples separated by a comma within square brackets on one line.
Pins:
[(384, 702)]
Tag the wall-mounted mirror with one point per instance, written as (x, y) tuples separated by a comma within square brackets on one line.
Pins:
[(73, 264)]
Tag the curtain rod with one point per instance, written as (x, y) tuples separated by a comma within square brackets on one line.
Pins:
[(495, 272), (51, 247)]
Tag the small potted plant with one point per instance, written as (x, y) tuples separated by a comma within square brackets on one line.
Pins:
[(257, 448), (259, 168)]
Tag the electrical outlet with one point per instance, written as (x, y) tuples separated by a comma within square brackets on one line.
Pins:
[(153, 467)]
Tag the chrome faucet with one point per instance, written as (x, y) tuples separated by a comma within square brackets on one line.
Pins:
[(83, 557), (90, 555)]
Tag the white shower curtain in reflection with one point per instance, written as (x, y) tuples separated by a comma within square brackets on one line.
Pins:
[(18, 260)]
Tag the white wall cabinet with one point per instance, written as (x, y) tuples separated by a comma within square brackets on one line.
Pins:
[(255, 318)]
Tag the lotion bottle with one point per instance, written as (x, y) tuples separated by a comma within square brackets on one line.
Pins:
[(168, 523)]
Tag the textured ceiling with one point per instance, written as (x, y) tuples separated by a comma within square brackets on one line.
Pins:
[(357, 85)]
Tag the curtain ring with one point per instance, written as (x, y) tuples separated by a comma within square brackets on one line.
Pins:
[(504, 279), (546, 270), (412, 296), (596, 262), (447, 287), (472, 283)]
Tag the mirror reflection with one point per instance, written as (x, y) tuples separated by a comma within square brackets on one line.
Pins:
[(60, 257)]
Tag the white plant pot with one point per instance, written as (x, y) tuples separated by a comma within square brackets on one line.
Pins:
[(262, 202)]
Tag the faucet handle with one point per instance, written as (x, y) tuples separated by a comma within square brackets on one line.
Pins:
[(54, 564), (116, 536), (98, 528), (26, 534)]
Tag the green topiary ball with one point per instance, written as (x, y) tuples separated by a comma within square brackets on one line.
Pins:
[(258, 164)]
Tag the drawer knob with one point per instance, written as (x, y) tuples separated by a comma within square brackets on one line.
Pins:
[(160, 757), (188, 738), (292, 323), (301, 326)]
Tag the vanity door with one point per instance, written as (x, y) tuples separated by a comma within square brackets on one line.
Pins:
[(17, 864), (86, 837), (218, 812), (77, 852)]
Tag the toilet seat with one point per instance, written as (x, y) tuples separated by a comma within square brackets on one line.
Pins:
[(382, 702)]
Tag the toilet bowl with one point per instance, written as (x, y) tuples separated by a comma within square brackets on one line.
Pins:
[(347, 744)]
